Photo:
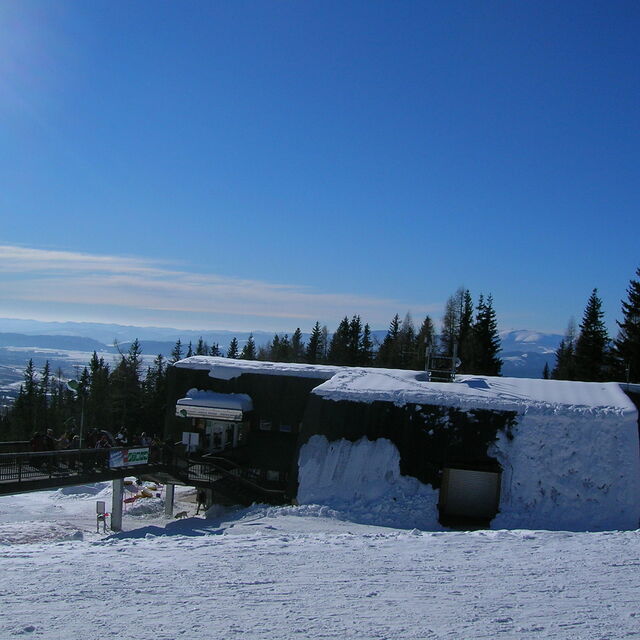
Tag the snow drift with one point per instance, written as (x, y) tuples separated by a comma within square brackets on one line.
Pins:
[(362, 482)]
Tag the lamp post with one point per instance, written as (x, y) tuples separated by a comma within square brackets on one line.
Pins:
[(74, 385)]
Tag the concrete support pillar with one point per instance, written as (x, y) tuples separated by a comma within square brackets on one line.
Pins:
[(169, 494), (116, 505)]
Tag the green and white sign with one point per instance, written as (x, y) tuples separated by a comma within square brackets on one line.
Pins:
[(128, 457)]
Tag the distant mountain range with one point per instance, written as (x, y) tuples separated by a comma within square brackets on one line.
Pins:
[(68, 346)]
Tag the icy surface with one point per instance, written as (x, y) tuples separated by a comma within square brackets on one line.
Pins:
[(305, 572)]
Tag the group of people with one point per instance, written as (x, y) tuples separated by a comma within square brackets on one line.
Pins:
[(95, 439), (48, 442), (142, 440)]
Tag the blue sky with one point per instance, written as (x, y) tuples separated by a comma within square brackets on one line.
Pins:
[(262, 165)]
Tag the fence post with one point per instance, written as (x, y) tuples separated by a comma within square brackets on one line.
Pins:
[(116, 504), (168, 500)]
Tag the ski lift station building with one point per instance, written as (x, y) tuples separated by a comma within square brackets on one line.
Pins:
[(478, 451)]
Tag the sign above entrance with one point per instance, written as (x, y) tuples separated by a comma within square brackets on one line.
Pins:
[(213, 413)]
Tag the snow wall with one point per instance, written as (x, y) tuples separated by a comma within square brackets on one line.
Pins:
[(575, 472), (558, 474), (362, 482)]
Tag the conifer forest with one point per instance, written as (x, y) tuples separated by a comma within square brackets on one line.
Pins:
[(125, 393)]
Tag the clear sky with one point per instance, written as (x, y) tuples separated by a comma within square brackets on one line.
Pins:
[(263, 165)]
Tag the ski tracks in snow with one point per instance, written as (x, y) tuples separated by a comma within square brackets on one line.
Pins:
[(298, 577)]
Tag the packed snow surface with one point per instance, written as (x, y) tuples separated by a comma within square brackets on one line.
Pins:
[(303, 572)]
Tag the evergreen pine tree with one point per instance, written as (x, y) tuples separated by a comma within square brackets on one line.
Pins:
[(426, 339), (24, 411), (353, 345), (98, 400), (154, 396), (274, 348), (339, 346), (468, 349), (176, 352), (545, 372), (297, 346), (249, 349), (125, 385), (592, 345), (285, 349), (366, 347), (313, 351), (58, 410), (189, 350), (215, 350), (564, 368), (201, 348), (487, 339), (627, 344), (232, 351), (388, 353)]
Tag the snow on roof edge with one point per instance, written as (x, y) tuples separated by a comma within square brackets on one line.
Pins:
[(401, 387)]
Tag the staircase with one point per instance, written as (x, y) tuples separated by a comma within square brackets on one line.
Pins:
[(230, 482)]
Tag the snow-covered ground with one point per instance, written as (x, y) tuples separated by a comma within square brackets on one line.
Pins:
[(300, 572)]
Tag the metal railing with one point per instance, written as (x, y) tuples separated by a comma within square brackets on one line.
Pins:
[(46, 469), (211, 469), (50, 465)]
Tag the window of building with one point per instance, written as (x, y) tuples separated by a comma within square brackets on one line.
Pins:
[(265, 425), (287, 428)]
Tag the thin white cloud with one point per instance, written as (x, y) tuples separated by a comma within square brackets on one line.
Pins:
[(72, 278)]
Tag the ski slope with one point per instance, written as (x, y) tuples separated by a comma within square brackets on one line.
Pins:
[(300, 572)]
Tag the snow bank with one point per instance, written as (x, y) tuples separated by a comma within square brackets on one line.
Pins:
[(82, 491), (569, 473), (146, 507), (361, 481)]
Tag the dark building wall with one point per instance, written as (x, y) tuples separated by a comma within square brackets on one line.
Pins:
[(282, 400), (428, 437)]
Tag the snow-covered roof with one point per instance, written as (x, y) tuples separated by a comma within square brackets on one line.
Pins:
[(228, 368), (237, 401), (522, 395), (403, 387)]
